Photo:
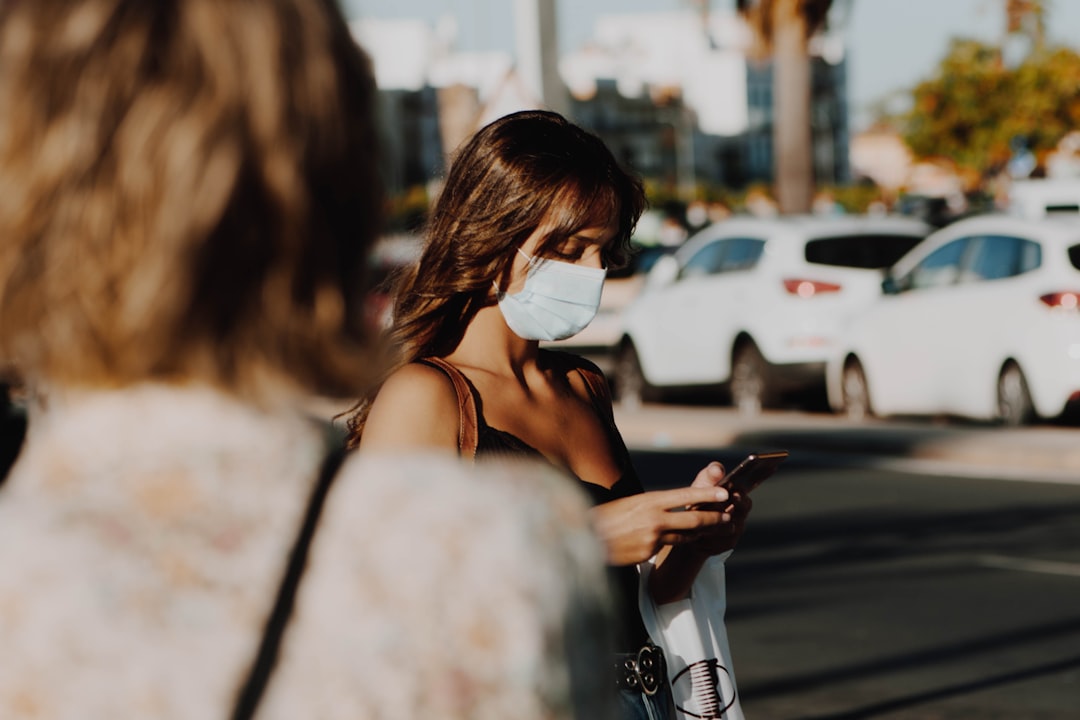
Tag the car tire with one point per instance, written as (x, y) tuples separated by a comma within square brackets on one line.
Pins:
[(1014, 406), (750, 392), (630, 386), (855, 392)]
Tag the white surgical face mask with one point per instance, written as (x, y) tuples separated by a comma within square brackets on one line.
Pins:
[(559, 299)]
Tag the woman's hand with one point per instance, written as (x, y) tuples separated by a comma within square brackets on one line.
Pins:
[(635, 528), (724, 536), (676, 567)]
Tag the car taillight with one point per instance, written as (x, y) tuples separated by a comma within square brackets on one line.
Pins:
[(1065, 300), (809, 288)]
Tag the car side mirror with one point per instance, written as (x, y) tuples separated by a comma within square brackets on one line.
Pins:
[(889, 286), (663, 272)]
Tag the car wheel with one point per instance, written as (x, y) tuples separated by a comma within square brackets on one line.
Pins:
[(1014, 406), (631, 387), (749, 388), (856, 393)]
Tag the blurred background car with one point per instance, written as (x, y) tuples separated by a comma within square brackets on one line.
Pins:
[(753, 305), (1040, 197), (981, 321)]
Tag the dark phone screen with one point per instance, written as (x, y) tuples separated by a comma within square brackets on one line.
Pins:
[(753, 471)]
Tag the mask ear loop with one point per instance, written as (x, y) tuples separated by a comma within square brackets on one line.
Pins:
[(499, 293), (531, 262)]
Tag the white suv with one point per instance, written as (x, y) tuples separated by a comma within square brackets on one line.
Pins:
[(980, 321), (755, 305)]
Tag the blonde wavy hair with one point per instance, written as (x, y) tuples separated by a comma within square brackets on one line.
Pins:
[(187, 191)]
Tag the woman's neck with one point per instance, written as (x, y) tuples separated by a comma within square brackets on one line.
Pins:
[(488, 343)]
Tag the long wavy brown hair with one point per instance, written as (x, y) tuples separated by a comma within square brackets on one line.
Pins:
[(515, 174), (188, 190)]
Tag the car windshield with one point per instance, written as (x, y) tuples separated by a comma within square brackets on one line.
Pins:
[(873, 251)]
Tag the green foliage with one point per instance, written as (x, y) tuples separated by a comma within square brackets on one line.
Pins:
[(661, 194), (855, 198), (974, 106)]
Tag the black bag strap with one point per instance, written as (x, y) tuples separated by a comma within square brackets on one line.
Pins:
[(258, 677), (595, 382), (599, 392)]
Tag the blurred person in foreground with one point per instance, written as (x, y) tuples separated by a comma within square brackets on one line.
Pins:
[(187, 200), (533, 211)]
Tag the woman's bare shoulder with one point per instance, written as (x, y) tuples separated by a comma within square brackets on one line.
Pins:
[(420, 382), (416, 406)]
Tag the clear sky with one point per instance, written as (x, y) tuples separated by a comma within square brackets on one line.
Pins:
[(892, 44)]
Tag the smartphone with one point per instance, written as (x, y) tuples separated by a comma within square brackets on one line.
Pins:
[(754, 469)]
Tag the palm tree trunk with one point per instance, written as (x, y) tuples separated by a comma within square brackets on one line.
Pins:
[(792, 134)]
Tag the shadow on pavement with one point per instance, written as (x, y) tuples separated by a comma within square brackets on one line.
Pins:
[(937, 655), (864, 536), (949, 691)]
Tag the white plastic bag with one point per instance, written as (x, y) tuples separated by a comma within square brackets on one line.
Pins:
[(694, 638)]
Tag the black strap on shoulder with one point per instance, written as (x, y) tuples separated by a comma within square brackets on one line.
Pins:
[(259, 676), (598, 392), (595, 382)]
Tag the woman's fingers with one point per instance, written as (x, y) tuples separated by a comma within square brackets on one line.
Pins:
[(744, 505), (709, 476), (680, 498), (634, 528), (696, 519), (690, 525)]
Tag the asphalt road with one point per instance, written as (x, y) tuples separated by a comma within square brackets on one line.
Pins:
[(863, 592)]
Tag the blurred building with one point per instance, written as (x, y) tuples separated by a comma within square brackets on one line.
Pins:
[(674, 94), (713, 103), (403, 53)]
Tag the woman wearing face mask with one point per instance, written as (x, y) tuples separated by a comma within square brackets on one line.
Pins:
[(533, 212)]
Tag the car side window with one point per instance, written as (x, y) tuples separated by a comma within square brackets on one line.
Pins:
[(875, 251), (994, 257), (742, 254), (938, 269), (706, 261), (1030, 256)]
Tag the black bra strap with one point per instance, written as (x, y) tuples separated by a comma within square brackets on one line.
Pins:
[(259, 675)]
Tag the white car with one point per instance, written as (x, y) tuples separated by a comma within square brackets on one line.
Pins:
[(979, 321), (754, 304)]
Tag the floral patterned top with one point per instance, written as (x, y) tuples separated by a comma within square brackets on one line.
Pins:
[(143, 536)]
